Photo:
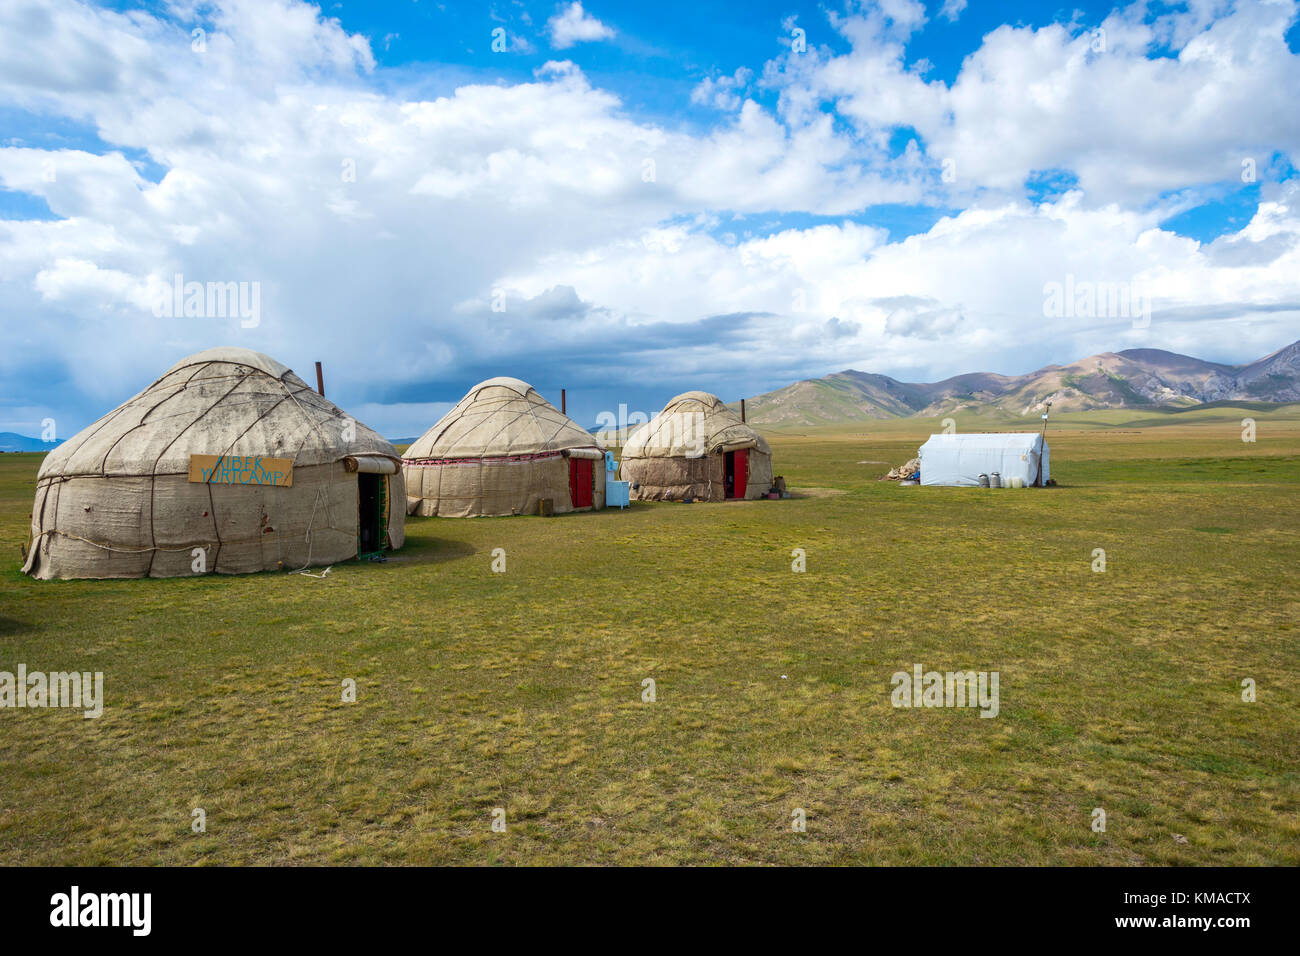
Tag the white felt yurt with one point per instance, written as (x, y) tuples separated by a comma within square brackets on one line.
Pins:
[(229, 463), (697, 447), (499, 451)]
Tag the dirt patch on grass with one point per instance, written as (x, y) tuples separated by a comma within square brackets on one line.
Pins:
[(817, 492)]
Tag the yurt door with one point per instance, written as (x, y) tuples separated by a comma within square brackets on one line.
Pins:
[(580, 482), (737, 472), (370, 505)]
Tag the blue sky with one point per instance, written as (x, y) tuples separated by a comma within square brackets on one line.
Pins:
[(659, 197)]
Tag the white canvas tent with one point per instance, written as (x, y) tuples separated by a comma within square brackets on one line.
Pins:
[(961, 459)]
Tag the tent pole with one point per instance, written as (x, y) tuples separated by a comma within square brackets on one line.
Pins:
[(1038, 480)]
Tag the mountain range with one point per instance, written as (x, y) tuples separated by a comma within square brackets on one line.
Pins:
[(11, 441), (1133, 378)]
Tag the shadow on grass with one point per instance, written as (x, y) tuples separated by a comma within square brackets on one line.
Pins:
[(430, 551), (10, 626)]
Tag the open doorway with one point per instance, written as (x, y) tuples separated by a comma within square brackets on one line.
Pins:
[(370, 515), (736, 472)]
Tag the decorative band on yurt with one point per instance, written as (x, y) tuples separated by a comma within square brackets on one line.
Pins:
[(487, 460)]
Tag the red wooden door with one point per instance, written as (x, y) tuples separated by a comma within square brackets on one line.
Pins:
[(742, 473), (580, 482)]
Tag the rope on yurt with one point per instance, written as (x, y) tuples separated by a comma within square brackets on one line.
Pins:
[(216, 530), (153, 472), (103, 463), (109, 547), (68, 449), (329, 517), (212, 504), (310, 541), (58, 497)]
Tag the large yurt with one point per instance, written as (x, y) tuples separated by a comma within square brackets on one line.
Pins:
[(229, 463), (697, 448), (500, 451)]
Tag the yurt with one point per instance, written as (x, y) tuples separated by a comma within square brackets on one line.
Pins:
[(229, 463), (500, 451), (697, 448)]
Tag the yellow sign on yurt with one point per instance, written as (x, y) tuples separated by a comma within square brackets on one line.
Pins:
[(241, 470)]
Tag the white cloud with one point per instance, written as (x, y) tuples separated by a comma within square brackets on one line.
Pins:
[(974, 283), (952, 9), (539, 190), (723, 92), (1090, 100), (573, 25)]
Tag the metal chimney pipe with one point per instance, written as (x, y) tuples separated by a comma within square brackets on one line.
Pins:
[(742, 410), (564, 403), (320, 380)]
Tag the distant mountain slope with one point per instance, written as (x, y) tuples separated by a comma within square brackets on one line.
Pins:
[(1130, 379), (9, 441)]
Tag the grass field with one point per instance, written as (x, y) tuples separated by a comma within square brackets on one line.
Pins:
[(1118, 690)]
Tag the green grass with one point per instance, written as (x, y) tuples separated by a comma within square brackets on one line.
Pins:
[(523, 690)]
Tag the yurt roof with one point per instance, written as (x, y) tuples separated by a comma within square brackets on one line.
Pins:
[(692, 425), (234, 356), (222, 401), (500, 417), (505, 381)]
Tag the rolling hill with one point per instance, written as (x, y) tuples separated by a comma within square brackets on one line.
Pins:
[(11, 441), (1134, 378)]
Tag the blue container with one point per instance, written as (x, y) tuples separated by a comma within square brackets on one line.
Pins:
[(617, 494)]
